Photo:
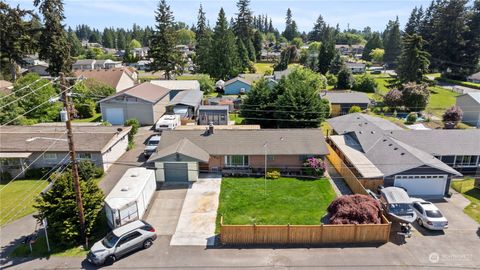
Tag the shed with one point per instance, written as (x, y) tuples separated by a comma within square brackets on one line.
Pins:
[(216, 114), (129, 199), (469, 103), (237, 86)]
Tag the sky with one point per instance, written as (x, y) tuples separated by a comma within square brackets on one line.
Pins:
[(123, 13)]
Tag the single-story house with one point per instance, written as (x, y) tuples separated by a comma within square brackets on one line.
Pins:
[(342, 101), (40, 69), (140, 52), (346, 49), (185, 103), (141, 65), (421, 161), (84, 64), (356, 67), (6, 87), (118, 78), (106, 64), (237, 86), (215, 114), (182, 154), (47, 147), (469, 103), (475, 78), (145, 102)]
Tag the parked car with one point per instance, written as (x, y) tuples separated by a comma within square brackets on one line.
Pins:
[(168, 122), (429, 216), (121, 241), (152, 145)]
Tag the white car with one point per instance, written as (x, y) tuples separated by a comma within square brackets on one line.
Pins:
[(429, 216)]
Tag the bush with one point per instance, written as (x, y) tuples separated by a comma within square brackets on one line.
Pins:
[(5, 177), (37, 173), (411, 118), (354, 109), (273, 174), (415, 96), (453, 114), (315, 166), (87, 109), (331, 78), (135, 125), (365, 83), (355, 209), (87, 170), (345, 79), (393, 98)]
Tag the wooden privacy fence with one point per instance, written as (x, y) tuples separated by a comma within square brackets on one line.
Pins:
[(350, 178), (304, 234)]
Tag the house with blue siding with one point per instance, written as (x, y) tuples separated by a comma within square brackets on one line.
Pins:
[(237, 86)]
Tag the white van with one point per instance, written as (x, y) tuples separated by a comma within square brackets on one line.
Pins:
[(167, 122)]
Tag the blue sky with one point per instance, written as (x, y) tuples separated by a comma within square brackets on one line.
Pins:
[(123, 13)]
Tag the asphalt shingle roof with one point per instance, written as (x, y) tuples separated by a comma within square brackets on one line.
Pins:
[(145, 91), (339, 97)]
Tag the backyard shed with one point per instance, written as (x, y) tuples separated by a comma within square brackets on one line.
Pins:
[(129, 199)]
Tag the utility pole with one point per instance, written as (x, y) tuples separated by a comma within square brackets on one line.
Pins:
[(73, 157)]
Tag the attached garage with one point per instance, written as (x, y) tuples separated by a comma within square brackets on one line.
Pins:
[(114, 116), (176, 172), (423, 185)]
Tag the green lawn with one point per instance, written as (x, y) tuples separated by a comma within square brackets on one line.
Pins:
[(287, 201), (440, 100), (96, 118), (466, 187), (17, 199), (39, 249), (237, 118), (382, 82), (261, 68)]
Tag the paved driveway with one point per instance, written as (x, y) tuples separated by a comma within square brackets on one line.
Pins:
[(196, 226)]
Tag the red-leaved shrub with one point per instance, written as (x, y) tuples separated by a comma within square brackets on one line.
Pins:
[(355, 209)]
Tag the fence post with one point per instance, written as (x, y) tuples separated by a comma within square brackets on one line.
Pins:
[(255, 233), (288, 233)]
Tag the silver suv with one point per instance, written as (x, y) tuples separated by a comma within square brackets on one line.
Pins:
[(122, 240)]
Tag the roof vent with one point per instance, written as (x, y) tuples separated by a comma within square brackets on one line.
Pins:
[(402, 154), (390, 144), (360, 132), (395, 148), (134, 175), (384, 140), (125, 189), (373, 132)]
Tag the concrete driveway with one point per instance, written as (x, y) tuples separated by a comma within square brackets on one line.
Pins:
[(196, 226)]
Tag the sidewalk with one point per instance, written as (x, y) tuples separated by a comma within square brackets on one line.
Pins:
[(337, 181)]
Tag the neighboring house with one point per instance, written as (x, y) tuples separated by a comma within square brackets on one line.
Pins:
[(277, 75), (185, 103), (84, 64), (182, 154), (6, 87), (118, 78), (47, 147), (145, 102), (270, 56), (141, 65), (475, 78), (346, 49), (177, 86), (237, 86), (421, 161), (106, 64), (140, 52), (40, 69), (342, 101), (233, 103), (469, 103), (215, 114), (356, 68)]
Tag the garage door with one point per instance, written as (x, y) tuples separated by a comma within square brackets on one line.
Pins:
[(176, 172), (115, 116), (422, 185)]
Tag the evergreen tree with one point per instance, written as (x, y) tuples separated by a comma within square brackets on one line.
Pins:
[(325, 56), (204, 43), (15, 38), (121, 40), (290, 27), (473, 38), (337, 64), (392, 43), (318, 28), (374, 42), (411, 26), (345, 79), (300, 105), (259, 105), (258, 44), (76, 48), (224, 54), (108, 39), (54, 46), (251, 50), (413, 61), (242, 55), (165, 56), (243, 26)]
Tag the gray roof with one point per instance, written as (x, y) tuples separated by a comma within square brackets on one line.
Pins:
[(355, 65), (85, 62), (475, 76), (360, 122), (184, 147), (392, 156), (473, 95), (251, 142), (237, 79), (190, 98), (213, 108), (146, 91), (178, 84), (442, 142), (342, 97), (53, 138)]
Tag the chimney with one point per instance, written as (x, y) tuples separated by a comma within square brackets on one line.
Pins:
[(210, 128)]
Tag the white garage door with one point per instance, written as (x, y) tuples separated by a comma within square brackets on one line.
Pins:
[(422, 185), (114, 116)]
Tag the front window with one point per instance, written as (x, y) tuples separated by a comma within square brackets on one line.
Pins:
[(466, 161), (50, 156), (236, 161), (84, 156)]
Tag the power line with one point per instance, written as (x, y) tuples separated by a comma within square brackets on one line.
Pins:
[(15, 91), (22, 97)]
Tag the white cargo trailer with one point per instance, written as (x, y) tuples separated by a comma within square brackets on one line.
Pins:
[(130, 197)]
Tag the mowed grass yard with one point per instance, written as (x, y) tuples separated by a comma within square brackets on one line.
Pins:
[(440, 100), (287, 201), (468, 190), (16, 199)]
